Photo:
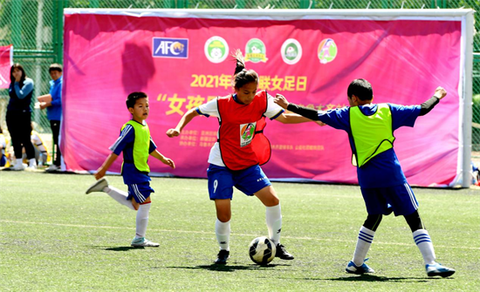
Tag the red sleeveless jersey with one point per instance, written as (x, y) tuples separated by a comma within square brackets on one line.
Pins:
[(241, 139)]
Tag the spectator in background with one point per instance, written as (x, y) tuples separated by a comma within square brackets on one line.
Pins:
[(19, 116), (41, 151), (3, 145), (53, 103)]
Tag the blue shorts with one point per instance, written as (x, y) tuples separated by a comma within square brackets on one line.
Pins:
[(3, 160), (221, 181), (399, 198), (140, 192)]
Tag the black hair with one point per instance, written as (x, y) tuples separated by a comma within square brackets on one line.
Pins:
[(132, 98), (1, 132), (361, 88), (55, 67), (242, 76), (24, 75)]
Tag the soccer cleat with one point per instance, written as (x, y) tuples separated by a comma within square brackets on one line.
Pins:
[(19, 167), (98, 186), (439, 270), (222, 257), (143, 242), (363, 269), (52, 168), (282, 253)]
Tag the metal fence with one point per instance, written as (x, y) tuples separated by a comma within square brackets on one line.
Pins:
[(35, 28)]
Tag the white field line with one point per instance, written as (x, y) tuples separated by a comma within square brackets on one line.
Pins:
[(236, 234)]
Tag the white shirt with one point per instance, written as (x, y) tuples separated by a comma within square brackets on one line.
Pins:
[(211, 109), (3, 142)]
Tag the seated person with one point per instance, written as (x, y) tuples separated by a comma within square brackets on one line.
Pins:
[(3, 145)]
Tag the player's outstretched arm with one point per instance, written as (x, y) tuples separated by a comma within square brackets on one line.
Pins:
[(186, 118), (427, 106), (296, 117), (440, 92), (281, 101), (105, 166), (163, 159)]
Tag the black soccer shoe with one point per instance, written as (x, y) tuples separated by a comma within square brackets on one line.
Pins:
[(282, 253), (222, 257)]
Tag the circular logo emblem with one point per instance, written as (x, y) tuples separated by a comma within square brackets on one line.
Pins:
[(327, 51), (177, 48), (216, 49), (255, 51), (247, 131), (291, 51)]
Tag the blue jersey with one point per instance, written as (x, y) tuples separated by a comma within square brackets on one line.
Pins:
[(131, 175), (54, 112), (20, 97), (384, 169)]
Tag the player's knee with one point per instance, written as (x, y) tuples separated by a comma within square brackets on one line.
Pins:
[(373, 221), (135, 204), (224, 217), (414, 221), (275, 201)]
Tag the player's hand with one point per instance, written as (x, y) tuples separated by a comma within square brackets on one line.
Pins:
[(281, 101), (440, 92), (173, 133), (99, 174), (169, 162)]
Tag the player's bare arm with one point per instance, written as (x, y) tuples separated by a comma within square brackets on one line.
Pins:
[(281, 101), (163, 159), (105, 166), (292, 118), (186, 118)]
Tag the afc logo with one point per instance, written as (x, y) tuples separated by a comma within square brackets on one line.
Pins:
[(170, 48)]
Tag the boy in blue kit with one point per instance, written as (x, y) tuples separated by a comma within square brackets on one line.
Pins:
[(136, 144), (384, 187), (53, 103)]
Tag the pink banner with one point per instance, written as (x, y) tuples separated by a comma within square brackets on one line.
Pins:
[(184, 62), (6, 57)]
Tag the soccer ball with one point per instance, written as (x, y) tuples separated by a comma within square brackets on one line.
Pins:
[(262, 250)]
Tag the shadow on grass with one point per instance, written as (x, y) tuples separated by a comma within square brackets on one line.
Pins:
[(228, 268), (118, 248), (373, 278)]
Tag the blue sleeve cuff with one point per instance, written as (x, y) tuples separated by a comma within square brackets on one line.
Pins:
[(200, 113), (276, 116)]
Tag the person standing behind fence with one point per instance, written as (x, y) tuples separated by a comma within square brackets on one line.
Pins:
[(53, 103), (19, 116)]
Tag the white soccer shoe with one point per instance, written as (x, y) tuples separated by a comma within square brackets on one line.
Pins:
[(437, 269), (52, 168), (19, 167), (143, 242), (98, 186)]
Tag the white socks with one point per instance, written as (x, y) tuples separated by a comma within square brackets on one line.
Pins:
[(222, 231), (424, 243), (274, 222), (142, 213), (142, 220), (119, 196), (365, 238), (32, 163)]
